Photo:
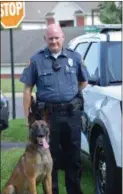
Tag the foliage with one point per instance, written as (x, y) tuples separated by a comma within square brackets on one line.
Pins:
[(110, 12)]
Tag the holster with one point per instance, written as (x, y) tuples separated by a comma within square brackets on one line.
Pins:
[(76, 104)]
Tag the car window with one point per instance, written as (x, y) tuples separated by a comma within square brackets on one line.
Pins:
[(115, 61), (92, 61), (81, 48)]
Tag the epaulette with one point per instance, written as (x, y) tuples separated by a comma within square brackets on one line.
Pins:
[(40, 51), (37, 53)]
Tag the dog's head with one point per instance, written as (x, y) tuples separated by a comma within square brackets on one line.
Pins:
[(39, 133)]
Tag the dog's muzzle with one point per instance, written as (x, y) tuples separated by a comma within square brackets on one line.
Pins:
[(42, 142)]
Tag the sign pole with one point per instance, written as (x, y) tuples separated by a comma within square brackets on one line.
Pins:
[(12, 73), (11, 15)]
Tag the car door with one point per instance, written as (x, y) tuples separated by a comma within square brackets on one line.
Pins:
[(92, 95), (82, 48)]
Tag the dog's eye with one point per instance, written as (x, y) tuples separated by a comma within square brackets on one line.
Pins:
[(34, 127)]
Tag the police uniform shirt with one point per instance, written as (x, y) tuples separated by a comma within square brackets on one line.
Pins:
[(55, 86)]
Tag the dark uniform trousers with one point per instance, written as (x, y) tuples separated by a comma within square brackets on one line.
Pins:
[(65, 143)]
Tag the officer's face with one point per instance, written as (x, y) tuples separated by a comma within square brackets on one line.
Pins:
[(54, 39)]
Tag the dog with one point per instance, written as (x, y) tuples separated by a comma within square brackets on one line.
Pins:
[(35, 165)]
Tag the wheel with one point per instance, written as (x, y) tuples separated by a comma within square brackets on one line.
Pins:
[(104, 167)]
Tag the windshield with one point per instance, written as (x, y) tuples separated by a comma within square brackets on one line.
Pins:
[(115, 61)]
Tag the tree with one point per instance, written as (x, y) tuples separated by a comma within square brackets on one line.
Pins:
[(111, 12)]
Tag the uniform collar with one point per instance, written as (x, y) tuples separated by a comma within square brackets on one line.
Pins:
[(64, 52), (48, 54)]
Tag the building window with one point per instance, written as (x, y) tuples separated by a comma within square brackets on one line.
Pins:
[(66, 23)]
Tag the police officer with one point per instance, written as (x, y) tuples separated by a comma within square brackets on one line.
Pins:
[(59, 75)]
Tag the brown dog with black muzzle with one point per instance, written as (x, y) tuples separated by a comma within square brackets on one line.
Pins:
[(35, 165)]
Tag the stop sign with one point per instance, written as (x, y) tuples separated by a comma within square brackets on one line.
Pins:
[(12, 13)]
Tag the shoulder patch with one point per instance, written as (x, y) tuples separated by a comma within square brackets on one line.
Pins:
[(38, 52), (27, 64)]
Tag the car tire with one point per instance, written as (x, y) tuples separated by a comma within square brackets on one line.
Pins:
[(104, 167)]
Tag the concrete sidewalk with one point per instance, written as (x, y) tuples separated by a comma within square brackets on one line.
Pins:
[(9, 145)]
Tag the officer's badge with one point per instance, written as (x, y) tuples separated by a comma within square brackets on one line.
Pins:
[(70, 62)]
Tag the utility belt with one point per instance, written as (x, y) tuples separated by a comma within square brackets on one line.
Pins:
[(52, 107), (70, 107)]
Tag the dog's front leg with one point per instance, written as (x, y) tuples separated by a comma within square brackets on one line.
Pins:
[(48, 184), (32, 186)]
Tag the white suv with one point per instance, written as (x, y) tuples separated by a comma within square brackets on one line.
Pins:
[(101, 120)]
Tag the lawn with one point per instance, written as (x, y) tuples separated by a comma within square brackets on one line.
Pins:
[(6, 85), (14, 155), (17, 132)]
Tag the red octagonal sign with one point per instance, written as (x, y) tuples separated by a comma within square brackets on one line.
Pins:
[(12, 13)]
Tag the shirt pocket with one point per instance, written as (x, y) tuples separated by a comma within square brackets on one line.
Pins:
[(46, 77), (71, 74)]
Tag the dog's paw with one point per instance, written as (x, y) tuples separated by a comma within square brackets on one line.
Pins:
[(11, 187), (9, 190)]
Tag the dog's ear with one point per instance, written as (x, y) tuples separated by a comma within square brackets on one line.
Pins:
[(33, 105), (34, 126), (31, 119), (40, 110)]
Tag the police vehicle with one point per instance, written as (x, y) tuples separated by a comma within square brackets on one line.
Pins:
[(4, 112), (101, 135)]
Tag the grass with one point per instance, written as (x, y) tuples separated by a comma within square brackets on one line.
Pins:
[(17, 132), (6, 86), (14, 155)]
